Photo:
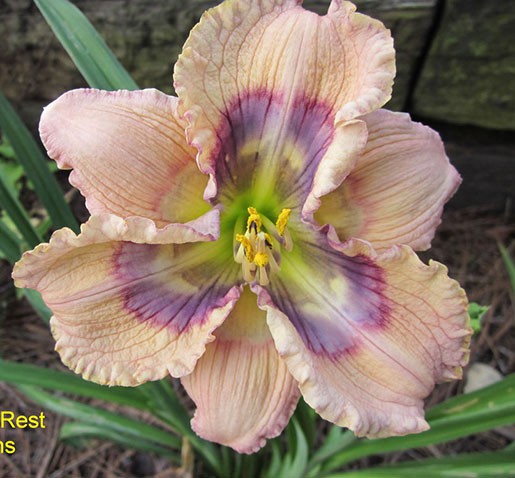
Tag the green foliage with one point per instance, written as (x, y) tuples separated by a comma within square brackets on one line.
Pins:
[(85, 46), (128, 428), (10, 170), (78, 432), (32, 375), (19, 216), (476, 313), (34, 163), (6, 150), (470, 465), (10, 243)]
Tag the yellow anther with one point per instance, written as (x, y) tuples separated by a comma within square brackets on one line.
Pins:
[(249, 253), (261, 259), (259, 251), (282, 220), (254, 218)]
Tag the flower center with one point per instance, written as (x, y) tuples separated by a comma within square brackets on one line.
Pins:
[(259, 252)]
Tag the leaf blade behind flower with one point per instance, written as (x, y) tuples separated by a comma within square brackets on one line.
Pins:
[(35, 165), (110, 421), (17, 213), (10, 245), (86, 47), (33, 375), (74, 430)]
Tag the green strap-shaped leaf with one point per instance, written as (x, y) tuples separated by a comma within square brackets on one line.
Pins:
[(78, 430), (17, 213), (476, 465), (102, 419), (336, 440), (23, 374), (36, 168), (295, 461), (274, 464), (87, 49), (490, 407), (300, 456), (10, 245), (500, 395), (307, 419)]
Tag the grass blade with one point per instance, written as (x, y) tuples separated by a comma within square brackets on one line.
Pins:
[(34, 163), (23, 374), (85, 46)]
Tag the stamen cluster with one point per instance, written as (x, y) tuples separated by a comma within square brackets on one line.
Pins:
[(256, 252)]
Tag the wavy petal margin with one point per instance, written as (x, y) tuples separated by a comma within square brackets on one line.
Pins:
[(242, 388), (367, 336), (398, 188), (125, 311), (275, 48), (128, 153)]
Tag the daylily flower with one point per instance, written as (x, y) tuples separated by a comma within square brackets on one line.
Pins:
[(278, 263)]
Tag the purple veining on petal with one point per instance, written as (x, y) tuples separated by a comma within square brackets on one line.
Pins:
[(260, 127), (329, 323), (172, 296)]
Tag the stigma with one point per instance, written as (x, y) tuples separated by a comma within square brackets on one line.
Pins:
[(259, 251)]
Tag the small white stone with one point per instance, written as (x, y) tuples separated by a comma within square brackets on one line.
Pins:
[(481, 375)]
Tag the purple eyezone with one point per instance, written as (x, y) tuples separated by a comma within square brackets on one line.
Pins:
[(269, 131), (329, 320), (173, 296)]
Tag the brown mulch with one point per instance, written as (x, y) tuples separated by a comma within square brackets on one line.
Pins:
[(466, 242)]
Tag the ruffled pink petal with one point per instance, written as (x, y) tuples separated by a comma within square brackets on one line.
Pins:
[(243, 390), (126, 311), (397, 190), (262, 84), (128, 153), (367, 336), (339, 160)]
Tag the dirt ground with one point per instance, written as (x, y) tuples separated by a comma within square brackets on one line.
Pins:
[(466, 242)]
